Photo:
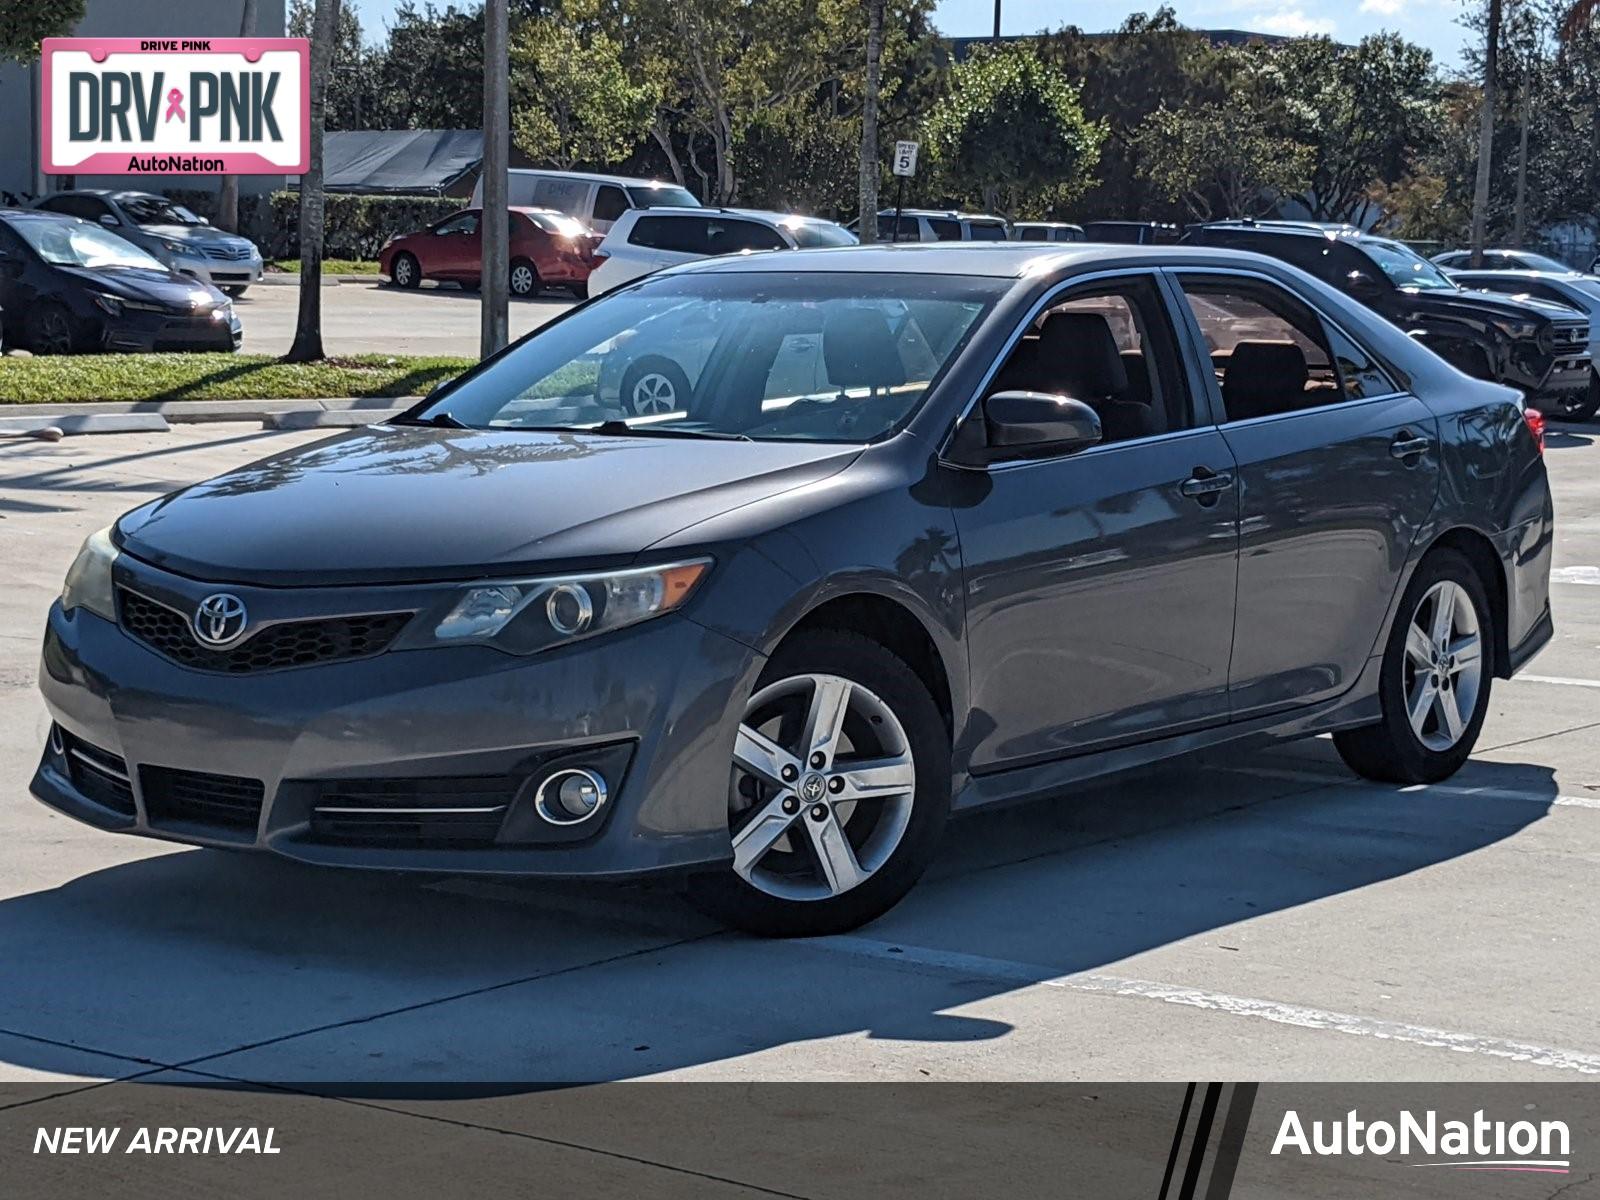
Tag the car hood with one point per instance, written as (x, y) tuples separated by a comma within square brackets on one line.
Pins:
[(399, 503), (198, 234), (142, 283), (1495, 303)]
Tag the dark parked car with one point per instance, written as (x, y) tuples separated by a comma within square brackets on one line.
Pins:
[(548, 249), (1538, 347), (67, 285), (939, 527), (1131, 233)]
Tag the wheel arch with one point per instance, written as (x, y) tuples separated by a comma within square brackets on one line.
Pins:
[(1478, 550), (893, 625)]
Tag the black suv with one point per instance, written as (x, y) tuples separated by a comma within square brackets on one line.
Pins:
[(1536, 346)]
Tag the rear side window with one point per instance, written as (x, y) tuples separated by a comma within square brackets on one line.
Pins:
[(1033, 233), (985, 232), (1272, 354), (564, 195), (609, 203), (944, 229), (681, 235)]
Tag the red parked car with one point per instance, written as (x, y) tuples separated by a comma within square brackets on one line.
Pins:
[(548, 249)]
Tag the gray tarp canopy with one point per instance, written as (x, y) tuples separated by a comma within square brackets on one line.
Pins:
[(399, 161)]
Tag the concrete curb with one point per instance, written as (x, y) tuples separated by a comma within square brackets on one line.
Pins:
[(134, 422), (292, 279), (186, 412), (348, 418)]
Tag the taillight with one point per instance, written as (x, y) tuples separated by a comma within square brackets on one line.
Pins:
[(1535, 420), (598, 255)]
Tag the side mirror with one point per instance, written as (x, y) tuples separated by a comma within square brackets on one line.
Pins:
[(1037, 425), (109, 221), (205, 220), (1362, 286)]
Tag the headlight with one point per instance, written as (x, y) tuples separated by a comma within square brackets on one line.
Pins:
[(1516, 330), (173, 247), (89, 578), (222, 312), (107, 304), (1547, 339), (528, 615)]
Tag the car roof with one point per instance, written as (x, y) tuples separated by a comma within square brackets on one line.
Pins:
[(36, 214), (948, 213), (1045, 225), (592, 177), (1521, 273), (758, 214), (999, 260)]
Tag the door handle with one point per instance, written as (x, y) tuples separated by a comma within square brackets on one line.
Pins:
[(1205, 483), (1406, 446)]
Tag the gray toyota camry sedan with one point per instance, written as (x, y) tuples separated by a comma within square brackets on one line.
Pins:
[(923, 529)]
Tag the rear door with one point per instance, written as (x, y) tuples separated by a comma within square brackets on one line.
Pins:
[(1338, 469)]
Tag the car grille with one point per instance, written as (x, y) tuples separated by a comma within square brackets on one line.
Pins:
[(221, 802), (273, 648), (1571, 335), (97, 774), (454, 810), (227, 253)]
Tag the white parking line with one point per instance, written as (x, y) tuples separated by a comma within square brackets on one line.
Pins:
[(1560, 679), (1001, 970), (1437, 789), (1589, 575)]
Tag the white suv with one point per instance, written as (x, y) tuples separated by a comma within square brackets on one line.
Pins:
[(939, 225), (647, 239)]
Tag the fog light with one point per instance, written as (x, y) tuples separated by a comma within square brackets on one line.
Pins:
[(570, 795), (57, 746)]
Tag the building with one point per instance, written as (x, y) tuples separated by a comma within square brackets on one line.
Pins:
[(21, 179)]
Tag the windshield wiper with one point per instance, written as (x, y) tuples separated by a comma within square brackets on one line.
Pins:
[(615, 428), (439, 420)]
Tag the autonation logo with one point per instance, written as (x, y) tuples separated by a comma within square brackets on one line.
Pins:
[(1476, 1145)]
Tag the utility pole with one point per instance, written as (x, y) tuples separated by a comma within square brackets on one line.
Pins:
[(997, 20), (228, 194), (1520, 223), (1480, 192), (496, 221), (867, 178)]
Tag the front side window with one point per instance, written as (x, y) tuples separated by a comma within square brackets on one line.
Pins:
[(156, 210), (460, 223), (945, 229), (662, 195), (680, 235), (1404, 266), (68, 244), (1272, 354), (609, 203), (983, 231), (816, 357), (90, 208), (730, 237), (807, 234), (1033, 233), (1112, 348)]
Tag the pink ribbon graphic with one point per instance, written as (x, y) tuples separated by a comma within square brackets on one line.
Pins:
[(175, 105)]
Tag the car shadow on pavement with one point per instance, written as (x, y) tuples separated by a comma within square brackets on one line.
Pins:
[(246, 970)]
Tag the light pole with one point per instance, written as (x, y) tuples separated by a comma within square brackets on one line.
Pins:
[(997, 20), (495, 219)]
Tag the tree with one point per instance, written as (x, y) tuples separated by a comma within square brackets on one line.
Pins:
[(868, 207), (1365, 112), (577, 103), (429, 74), (1010, 134), (25, 23), (1221, 160), (307, 345), (352, 100)]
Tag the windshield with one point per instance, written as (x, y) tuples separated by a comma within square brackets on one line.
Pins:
[(1404, 266), (79, 244), (1540, 262), (662, 195), (818, 233), (156, 210), (805, 357)]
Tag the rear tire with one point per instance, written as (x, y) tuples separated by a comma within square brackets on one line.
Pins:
[(654, 385), (1435, 680), (850, 844)]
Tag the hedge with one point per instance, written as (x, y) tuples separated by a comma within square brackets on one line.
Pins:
[(357, 226)]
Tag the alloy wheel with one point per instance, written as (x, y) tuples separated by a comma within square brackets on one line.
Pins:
[(52, 332), (402, 271), (654, 393), (822, 790), (1443, 665)]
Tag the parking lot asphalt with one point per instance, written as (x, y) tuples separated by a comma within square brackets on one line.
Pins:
[(368, 318), (1258, 914)]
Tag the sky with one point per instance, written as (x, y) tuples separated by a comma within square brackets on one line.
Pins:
[(1431, 23)]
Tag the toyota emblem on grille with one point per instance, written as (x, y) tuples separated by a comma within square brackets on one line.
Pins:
[(219, 619)]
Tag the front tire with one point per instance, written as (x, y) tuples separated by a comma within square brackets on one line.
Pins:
[(406, 271), (1435, 680), (236, 289), (1575, 406), (524, 279), (48, 329), (840, 788)]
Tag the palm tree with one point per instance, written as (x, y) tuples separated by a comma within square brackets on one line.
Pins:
[(1480, 192), (307, 345), (867, 229)]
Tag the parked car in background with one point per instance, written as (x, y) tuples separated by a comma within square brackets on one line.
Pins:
[(1503, 260), (937, 225), (1131, 233), (169, 232), (1046, 231), (936, 531), (596, 200), (646, 240), (68, 285), (1578, 291), (1539, 348), (548, 249)]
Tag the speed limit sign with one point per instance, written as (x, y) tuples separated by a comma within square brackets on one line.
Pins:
[(905, 158)]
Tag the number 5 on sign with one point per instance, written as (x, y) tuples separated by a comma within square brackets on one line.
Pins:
[(905, 158)]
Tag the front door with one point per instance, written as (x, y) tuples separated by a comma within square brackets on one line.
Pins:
[(1100, 586), (1338, 470), (457, 250)]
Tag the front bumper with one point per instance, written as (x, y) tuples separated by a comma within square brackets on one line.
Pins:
[(145, 332), (221, 272), (258, 760)]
